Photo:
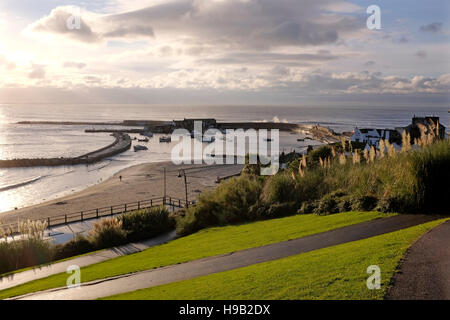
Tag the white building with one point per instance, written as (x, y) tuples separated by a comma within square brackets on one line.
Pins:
[(372, 137)]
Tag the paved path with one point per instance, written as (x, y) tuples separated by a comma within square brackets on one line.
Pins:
[(97, 257), (197, 268), (425, 272)]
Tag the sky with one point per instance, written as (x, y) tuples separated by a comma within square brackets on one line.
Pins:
[(286, 52)]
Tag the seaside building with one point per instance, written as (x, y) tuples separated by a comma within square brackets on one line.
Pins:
[(372, 137), (426, 125)]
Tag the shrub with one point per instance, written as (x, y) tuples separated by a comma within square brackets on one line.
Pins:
[(148, 223), (107, 233), (327, 205), (344, 204), (78, 245), (363, 203), (25, 253), (279, 210), (280, 188), (308, 207)]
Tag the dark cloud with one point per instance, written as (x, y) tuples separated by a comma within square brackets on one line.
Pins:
[(301, 59), (251, 23), (434, 27)]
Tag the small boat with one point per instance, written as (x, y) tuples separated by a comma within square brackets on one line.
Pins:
[(144, 140), (300, 140), (165, 139), (140, 148), (148, 134)]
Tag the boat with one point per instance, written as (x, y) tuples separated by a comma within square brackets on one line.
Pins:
[(300, 140), (148, 134), (140, 148), (144, 140), (165, 139)]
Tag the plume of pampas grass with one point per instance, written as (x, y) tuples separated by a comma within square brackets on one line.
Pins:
[(342, 159)]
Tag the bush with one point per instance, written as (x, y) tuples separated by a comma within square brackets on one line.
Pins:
[(233, 201), (77, 246), (344, 204), (308, 207), (327, 205), (148, 223), (15, 255), (107, 233), (363, 203), (280, 188)]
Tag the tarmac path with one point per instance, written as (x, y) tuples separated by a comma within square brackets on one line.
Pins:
[(131, 282), (425, 271)]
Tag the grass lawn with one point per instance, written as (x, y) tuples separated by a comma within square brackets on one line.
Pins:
[(206, 243), (333, 273)]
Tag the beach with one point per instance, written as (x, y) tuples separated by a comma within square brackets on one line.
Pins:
[(140, 182)]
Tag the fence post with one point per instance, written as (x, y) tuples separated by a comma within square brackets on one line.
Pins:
[(82, 216), (96, 211), (179, 203), (111, 210), (151, 202), (65, 218), (125, 207), (48, 222), (139, 205)]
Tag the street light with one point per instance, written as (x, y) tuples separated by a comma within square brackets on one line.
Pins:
[(182, 173)]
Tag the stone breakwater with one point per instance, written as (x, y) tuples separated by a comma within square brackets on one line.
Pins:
[(121, 144)]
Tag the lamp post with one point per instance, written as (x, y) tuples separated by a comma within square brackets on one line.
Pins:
[(182, 173)]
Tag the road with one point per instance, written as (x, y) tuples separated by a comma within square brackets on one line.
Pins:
[(425, 271), (197, 268)]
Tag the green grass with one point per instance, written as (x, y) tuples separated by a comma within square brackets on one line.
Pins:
[(206, 243), (332, 273)]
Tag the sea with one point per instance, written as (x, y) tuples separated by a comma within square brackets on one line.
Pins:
[(21, 187)]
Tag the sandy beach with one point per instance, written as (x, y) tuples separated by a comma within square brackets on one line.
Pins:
[(138, 183)]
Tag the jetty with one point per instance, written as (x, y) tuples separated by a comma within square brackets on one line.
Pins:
[(121, 144)]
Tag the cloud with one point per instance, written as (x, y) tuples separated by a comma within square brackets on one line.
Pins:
[(235, 23), (59, 22), (435, 27), (293, 59), (6, 63), (37, 72), (76, 65), (421, 54)]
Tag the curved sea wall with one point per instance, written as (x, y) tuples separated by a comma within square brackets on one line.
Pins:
[(121, 144)]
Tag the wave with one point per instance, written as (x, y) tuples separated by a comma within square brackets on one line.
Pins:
[(20, 184)]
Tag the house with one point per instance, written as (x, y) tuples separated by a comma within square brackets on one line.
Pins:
[(372, 137), (426, 125)]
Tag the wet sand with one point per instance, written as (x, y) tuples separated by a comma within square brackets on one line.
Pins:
[(141, 182)]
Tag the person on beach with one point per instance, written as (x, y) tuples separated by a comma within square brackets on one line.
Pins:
[(120, 178)]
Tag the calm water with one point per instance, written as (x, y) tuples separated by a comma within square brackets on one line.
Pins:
[(22, 187)]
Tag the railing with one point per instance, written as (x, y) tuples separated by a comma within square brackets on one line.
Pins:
[(105, 212)]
